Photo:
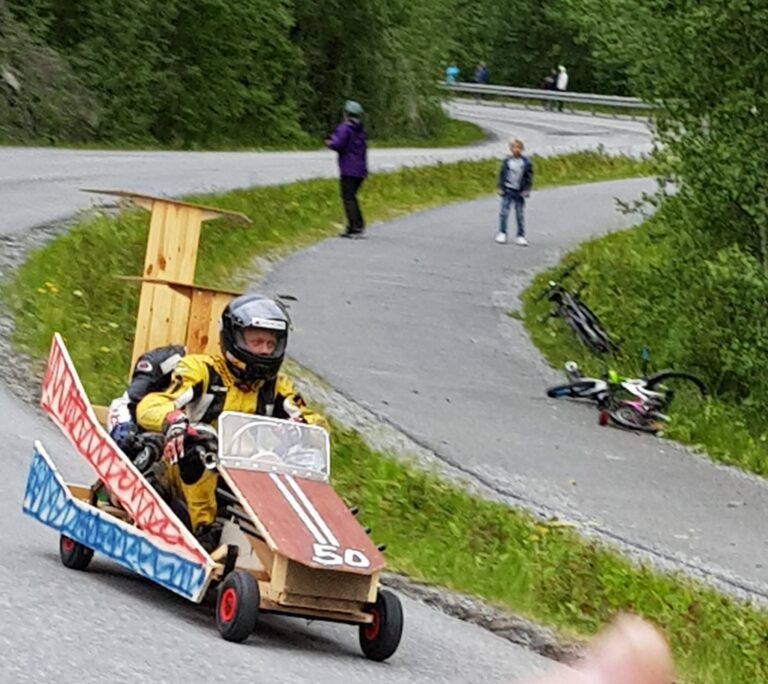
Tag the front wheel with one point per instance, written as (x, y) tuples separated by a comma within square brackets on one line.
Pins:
[(73, 554), (380, 639), (237, 606), (581, 389), (628, 418)]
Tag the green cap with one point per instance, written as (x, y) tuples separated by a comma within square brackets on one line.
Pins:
[(353, 108)]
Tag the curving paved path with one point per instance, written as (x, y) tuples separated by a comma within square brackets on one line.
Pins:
[(411, 323), (85, 627)]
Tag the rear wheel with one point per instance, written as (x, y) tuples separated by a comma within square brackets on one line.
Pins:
[(74, 555), (237, 606), (380, 639), (684, 388)]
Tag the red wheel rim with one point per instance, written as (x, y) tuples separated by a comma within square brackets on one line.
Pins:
[(227, 604), (67, 545), (372, 630)]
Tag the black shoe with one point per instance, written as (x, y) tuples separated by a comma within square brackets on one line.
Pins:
[(209, 536), (352, 234)]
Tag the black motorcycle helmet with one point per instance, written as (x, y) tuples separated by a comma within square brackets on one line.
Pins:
[(261, 313)]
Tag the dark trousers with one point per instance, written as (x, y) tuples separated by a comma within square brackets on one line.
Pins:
[(349, 187)]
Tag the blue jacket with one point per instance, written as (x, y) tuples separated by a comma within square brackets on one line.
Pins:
[(526, 182)]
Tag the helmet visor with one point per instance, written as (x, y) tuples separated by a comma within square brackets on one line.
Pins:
[(266, 342)]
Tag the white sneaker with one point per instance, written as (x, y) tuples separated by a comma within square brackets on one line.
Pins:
[(521, 241), (501, 238)]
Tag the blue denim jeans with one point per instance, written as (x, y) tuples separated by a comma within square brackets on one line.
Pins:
[(509, 197)]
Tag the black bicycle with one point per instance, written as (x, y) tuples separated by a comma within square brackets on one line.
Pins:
[(578, 316)]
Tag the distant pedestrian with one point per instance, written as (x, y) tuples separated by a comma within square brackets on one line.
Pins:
[(481, 73), (515, 182), (350, 141), (550, 83), (561, 84), (452, 73)]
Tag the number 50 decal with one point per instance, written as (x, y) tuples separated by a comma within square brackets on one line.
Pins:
[(325, 554)]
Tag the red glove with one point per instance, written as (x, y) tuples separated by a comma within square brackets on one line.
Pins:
[(175, 427)]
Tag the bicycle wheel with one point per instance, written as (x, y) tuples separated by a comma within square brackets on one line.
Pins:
[(684, 388), (581, 389), (596, 328), (629, 419), (592, 339)]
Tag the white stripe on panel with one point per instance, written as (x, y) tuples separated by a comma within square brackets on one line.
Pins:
[(312, 511), (298, 509)]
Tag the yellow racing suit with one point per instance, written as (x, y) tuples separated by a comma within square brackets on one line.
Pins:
[(203, 386)]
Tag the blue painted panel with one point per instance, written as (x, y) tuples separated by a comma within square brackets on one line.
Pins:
[(48, 500)]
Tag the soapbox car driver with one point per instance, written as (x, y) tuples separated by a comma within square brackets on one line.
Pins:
[(253, 337)]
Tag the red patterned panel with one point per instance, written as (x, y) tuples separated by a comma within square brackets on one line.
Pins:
[(66, 402)]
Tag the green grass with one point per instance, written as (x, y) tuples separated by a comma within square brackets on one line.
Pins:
[(647, 285), (436, 532), (452, 134), (69, 285)]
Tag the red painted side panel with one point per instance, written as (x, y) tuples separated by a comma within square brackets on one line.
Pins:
[(308, 522)]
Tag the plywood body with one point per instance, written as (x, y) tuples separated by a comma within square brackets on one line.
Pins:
[(299, 582), (300, 515), (171, 309)]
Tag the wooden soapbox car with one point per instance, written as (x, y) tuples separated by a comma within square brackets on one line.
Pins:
[(289, 544)]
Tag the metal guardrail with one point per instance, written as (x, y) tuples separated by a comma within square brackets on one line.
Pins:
[(549, 95)]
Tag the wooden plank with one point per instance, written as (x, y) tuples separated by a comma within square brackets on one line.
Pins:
[(80, 492), (330, 584), (144, 201), (358, 616), (278, 575), (155, 237), (181, 242), (101, 413), (199, 324)]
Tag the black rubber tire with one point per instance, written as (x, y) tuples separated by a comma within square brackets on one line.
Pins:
[(592, 338), (73, 554), (572, 390), (629, 419), (380, 639), (659, 378), (237, 606)]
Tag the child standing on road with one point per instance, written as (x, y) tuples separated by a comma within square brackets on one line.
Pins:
[(515, 182)]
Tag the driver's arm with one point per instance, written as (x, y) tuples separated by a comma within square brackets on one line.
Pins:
[(286, 394)]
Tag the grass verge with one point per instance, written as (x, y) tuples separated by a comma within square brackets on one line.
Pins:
[(647, 286), (69, 285), (450, 133), (436, 532)]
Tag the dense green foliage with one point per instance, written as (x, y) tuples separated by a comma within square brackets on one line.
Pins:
[(216, 73), (521, 41), (435, 532), (58, 290), (693, 283)]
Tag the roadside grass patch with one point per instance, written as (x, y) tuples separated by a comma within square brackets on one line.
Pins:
[(438, 533), (69, 285), (698, 307)]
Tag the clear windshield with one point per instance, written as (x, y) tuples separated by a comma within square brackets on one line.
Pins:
[(273, 445)]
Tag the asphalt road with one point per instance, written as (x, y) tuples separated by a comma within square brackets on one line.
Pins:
[(40, 185), (103, 624), (412, 323)]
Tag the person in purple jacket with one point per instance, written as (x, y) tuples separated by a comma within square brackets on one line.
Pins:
[(350, 141)]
